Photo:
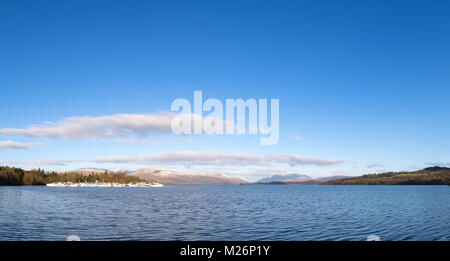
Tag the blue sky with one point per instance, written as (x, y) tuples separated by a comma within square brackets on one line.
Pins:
[(365, 82)]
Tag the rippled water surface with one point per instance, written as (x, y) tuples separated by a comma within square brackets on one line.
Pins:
[(226, 213)]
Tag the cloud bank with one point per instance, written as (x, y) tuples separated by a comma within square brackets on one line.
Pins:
[(118, 125), (200, 158), (9, 144), (50, 162), (189, 158), (111, 126), (296, 160)]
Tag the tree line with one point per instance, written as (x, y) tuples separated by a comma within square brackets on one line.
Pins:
[(428, 176), (10, 176)]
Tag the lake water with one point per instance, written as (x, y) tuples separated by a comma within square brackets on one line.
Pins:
[(242, 212)]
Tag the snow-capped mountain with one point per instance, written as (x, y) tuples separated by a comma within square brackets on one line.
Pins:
[(170, 176)]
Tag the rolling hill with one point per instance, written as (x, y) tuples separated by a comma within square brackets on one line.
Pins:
[(427, 176)]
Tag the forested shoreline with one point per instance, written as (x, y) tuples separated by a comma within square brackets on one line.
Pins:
[(428, 176), (10, 176)]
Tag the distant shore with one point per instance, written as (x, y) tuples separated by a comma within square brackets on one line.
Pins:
[(428, 176), (19, 177)]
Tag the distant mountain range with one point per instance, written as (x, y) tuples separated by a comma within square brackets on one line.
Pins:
[(295, 178), (285, 178)]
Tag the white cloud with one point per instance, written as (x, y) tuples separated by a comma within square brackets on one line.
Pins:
[(295, 160), (50, 162), (118, 125), (110, 126), (9, 144), (188, 158)]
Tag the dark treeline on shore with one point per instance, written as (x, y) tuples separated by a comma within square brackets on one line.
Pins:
[(428, 176), (19, 177)]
